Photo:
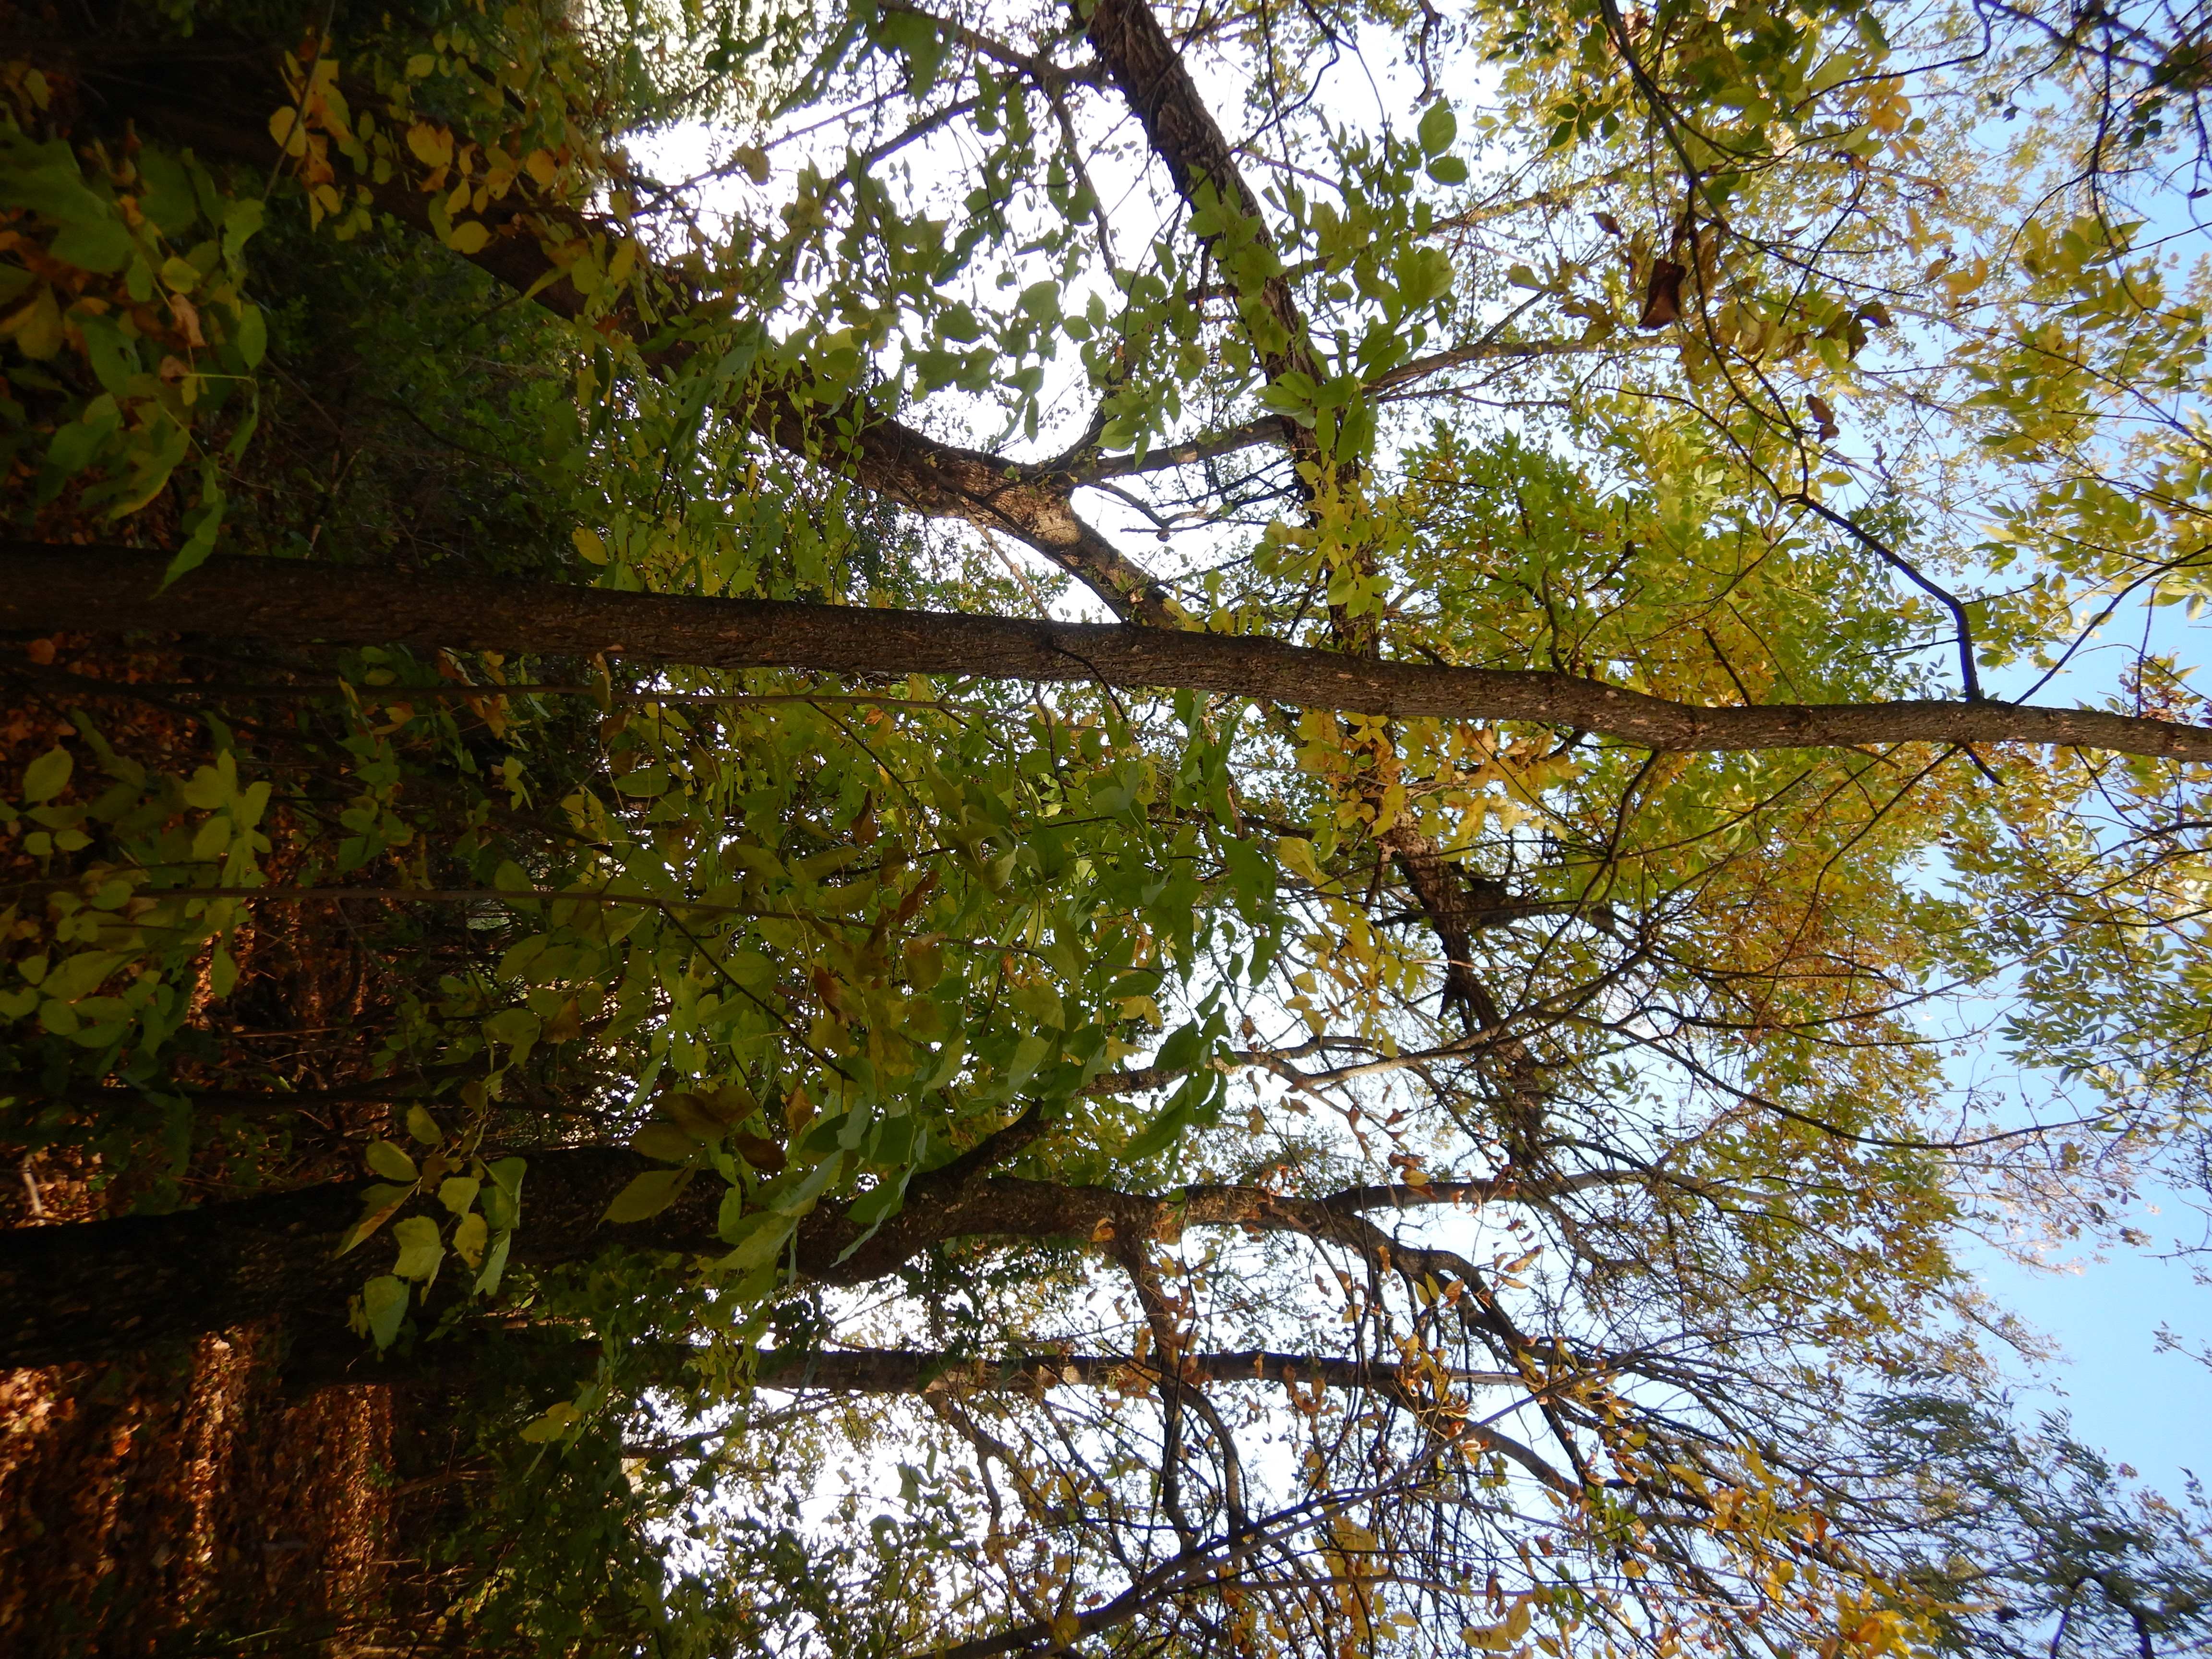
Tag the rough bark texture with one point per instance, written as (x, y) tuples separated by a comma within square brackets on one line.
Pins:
[(161, 1505), (44, 589), (1148, 70)]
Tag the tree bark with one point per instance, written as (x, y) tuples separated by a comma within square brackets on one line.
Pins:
[(100, 1290), (45, 589), (97, 1291), (1149, 72)]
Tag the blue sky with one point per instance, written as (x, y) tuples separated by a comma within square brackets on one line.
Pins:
[(2143, 1407)]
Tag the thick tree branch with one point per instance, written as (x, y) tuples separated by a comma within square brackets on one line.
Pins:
[(1149, 72), (46, 590), (99, 1290)]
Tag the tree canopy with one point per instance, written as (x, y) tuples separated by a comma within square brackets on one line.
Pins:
[(1118, 829)]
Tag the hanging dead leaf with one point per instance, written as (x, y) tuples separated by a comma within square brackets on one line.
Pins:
[(758, 1151), (1662, 296)]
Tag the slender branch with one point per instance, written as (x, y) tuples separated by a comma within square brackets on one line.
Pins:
[(1970, 679)]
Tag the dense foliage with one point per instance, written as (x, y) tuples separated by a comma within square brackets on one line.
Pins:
[(878, 1156)]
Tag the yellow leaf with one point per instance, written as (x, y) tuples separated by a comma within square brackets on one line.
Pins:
[(540, 164), (553, 1425), (433, 146), (1498, 1639), (470, 237), (469, 1238), (37, 327), (286, 127), (649, 1195)]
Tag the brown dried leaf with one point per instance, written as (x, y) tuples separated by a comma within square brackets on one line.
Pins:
[(1662, 296)]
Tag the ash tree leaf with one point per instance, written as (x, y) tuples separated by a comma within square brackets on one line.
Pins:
[(470, 1238), (388, 1161), (664, 1140), (649, 1195), (43, 778), (384, 1304), (421, 1250)]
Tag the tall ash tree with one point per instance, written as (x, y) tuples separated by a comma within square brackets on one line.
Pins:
[(1175, 822)]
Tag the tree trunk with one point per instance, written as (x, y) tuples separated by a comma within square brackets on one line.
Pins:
[(101, 1289), (104, 590)]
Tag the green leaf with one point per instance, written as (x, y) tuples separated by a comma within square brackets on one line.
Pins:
[(240, 221), (552, 1426), (251, 336), (759, 1238), (1183, 1048), (45, 178), (1163, 1130), (1042, 302), (649, 1195), (468, 1239), (384, 1304), (169, 199), (664, 1140), (502, 1200), (458, 1194), (495, 1262), (424, 1126), (383, 1205), (206, 520), (114, 359), (43, 778), (731, 1217), (72, 446), (420, 1250), (76, 975), (388, 1161), (1439, 126), (516, 1027)]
